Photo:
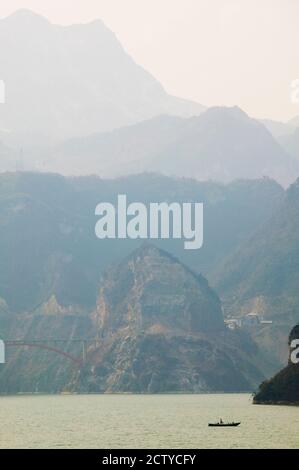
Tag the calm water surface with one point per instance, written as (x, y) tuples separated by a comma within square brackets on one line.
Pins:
[(144, 421)]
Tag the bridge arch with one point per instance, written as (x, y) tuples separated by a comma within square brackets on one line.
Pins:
[(72, 358)]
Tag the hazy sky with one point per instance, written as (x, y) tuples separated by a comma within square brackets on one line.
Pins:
[(227, 52)]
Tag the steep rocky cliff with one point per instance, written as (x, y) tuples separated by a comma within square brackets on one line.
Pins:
[(284, 386), (161, 329), (152, 289), (157, 327), (263, 273)]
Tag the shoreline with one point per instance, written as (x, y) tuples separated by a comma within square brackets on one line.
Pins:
[(276, 403), (37, 394)]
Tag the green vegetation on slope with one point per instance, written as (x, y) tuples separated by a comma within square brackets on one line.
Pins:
[(47, 241)]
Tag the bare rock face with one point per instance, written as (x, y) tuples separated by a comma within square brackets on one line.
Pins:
[(152, 290), (284, 386), (158, 327), (161, 329), (161, 363)]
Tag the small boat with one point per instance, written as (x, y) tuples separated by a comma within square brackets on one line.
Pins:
[(221, 424)]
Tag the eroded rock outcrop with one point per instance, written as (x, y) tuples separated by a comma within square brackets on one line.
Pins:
[(283, 388), (152, 289), (161, 329)]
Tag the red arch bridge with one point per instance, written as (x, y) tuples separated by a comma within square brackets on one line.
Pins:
[(56, 346)]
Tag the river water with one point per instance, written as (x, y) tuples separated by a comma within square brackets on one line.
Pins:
[(144, 421)]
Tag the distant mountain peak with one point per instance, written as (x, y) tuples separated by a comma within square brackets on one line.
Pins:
[(156, 289), (149, 249), (233, 111), (293, 191), (95, 85), (25, 15)]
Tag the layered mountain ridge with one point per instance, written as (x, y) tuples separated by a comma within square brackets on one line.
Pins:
[(73, 80), (49, 248), (263, 272), (162, 330), (221, 144), (157, 327)]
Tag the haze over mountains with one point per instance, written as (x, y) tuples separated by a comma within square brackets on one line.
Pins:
[(88, 108), (49, 250), (7, 158), (164, 331), (290, 143), (157, 326), (72, 81), (262, 274), (221, 144), (77, 104), (294, 122), (279, 129)]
